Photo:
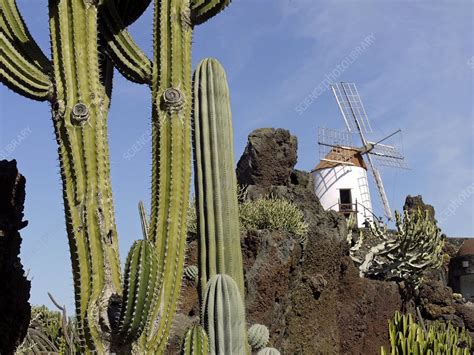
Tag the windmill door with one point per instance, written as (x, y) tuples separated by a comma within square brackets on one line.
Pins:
[(345, 201)]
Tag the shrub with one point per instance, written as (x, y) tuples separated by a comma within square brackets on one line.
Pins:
[(273, 214)]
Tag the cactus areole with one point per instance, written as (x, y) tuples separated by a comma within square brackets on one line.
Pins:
[(88, 38)]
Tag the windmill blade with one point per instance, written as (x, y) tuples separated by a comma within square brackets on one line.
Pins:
[(335, 145), (380, 188), (331, 137), (389, 156), (351, 107)]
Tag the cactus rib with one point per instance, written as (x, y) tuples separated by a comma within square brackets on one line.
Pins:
[(223, 316), (215, 180), (20, 75), (195, 342), (15, 29), (203, 10), (129, 59)]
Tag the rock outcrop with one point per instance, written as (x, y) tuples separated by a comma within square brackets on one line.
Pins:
[(307, 292), (268, 159)]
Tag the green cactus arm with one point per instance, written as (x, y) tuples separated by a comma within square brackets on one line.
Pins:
[(129, 59), (17, 73), (203, 10), (14, 27)]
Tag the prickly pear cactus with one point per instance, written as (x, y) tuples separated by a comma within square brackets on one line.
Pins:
[(258, 336)]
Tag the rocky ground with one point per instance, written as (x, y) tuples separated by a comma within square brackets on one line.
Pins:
[(309, 293)]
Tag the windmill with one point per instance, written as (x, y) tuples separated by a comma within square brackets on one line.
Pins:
[(342, 171)]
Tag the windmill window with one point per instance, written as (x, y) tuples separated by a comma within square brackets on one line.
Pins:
[(345, 196), (345, 202)]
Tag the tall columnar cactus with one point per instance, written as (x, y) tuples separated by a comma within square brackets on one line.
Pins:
[(223, 315), (215, 180), (417, 245), (195, 342), (77, 83)]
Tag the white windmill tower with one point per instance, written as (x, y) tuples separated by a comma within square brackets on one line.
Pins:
[(341, 176)]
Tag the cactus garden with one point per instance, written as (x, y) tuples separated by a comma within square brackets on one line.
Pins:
[(213, 252)]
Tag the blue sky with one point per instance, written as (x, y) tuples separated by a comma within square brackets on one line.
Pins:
[(416, 75)]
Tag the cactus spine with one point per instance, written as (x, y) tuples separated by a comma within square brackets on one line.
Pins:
[(223, 315), (258, 336), (215, 180), (77, 82), (196, 342), (140, 280)]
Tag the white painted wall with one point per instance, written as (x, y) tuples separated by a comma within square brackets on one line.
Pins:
[(329, 181)]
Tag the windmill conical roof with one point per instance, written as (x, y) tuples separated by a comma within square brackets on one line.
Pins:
[(467, 248), (341, 156)]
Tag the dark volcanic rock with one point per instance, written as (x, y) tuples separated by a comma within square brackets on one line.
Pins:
[(307, 292), (268, 159), (15, 293), (416, 202)]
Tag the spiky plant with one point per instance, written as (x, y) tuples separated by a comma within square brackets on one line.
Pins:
[(195, 342), (77, 83), (223, 315), (409, 337), (258, 336), (403, 255), (268, 351)]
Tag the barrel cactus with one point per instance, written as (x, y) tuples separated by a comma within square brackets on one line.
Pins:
[(223, 315), (88, 38), (268, 351), (258, 336)]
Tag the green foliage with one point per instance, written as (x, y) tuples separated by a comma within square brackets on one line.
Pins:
[(416, 245), (408, 337), (195, 342), (273, 214), (223, 315), (49, 332), (258, 336), (263, 213)]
